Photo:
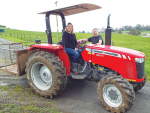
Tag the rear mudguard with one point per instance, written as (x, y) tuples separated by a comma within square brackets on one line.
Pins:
[(58, 50)]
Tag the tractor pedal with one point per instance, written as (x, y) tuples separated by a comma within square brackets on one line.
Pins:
[(77, 76)]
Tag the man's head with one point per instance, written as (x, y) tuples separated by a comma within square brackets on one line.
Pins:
[(95, 32)]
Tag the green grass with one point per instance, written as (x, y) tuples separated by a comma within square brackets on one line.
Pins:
[(143, 31), (125, 31), (11, 34), (15, 108), (122, 40), (19, 93)]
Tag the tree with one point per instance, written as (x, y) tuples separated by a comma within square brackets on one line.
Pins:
[(148, 27), (134, 31), (138, 27), (126, 28), (120, 31), (114, 29)]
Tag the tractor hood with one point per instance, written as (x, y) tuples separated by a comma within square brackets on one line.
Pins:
[(113, 50)]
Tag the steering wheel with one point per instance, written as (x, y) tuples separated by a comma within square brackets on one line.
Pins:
[(81, 44)]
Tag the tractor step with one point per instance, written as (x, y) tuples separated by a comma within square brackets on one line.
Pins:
[(77, 76)]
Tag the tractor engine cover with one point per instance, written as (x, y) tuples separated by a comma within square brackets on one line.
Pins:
[(125, 62)]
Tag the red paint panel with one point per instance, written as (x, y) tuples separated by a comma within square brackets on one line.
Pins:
[(61, 53), (47, 46)]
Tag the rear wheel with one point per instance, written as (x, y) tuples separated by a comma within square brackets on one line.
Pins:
[(115, 93), (46, 74)]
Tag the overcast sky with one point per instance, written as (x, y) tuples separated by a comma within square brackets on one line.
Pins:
[(22, 14)]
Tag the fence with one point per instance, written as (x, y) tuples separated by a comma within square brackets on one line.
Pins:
[(7, 52), (9, 57), (18, 36)]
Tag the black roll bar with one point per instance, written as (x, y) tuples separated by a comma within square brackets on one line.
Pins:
[(48, 27)]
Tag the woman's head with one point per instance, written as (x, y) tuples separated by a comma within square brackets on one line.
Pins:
[(69, 28)]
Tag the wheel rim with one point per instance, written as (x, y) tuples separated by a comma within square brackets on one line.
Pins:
[(112, 95), (41, 76)]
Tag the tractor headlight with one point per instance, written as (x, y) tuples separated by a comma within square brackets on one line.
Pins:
[(139, 60)]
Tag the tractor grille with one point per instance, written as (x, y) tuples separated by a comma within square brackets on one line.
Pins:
[(140, 70)]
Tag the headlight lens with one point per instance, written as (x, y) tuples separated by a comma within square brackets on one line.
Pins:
[(139, 60)]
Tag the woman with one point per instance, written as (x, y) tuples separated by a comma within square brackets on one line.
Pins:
[(70, 42)]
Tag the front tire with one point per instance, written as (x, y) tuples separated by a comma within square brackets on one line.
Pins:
[(140, 85), (46, 74), (115, 93)]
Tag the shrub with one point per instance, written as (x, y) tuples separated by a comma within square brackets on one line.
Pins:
[(134, 31), (120, 31)]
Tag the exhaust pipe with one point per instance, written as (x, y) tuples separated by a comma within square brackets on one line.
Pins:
[(108, 32)]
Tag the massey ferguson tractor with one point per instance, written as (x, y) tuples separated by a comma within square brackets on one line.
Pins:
[(119, 71)]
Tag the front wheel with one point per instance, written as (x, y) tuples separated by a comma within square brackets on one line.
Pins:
[(46, 74), (115, 93), (140, 85)]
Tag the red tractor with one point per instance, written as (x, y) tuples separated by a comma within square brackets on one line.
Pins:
[(119, 71)]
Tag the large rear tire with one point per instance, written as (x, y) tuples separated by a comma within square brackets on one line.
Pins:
[(115, 93), (46, 74)]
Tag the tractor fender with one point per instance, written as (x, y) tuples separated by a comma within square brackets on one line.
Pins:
[(58, 50)]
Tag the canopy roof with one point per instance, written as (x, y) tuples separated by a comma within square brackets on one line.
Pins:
[(73, 9)]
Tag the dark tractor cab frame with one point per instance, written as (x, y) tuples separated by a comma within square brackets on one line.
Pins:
[(48, 27)]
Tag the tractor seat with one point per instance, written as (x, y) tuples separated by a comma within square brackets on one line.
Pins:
[(60, 43)]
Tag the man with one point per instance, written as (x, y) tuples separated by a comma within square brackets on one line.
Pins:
[(96, 39)]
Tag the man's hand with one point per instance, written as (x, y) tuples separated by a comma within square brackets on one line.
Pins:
[(100, 42), (79, 40), (83, 40), (76, 49)]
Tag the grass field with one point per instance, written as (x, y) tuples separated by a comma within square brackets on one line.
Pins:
[(143, 31), (122, 40), (24, 94)]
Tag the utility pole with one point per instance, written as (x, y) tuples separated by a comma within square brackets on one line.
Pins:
[(57, 22)]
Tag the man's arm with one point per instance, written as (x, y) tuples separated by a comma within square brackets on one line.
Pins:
[(100, 42), (83, 40)]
